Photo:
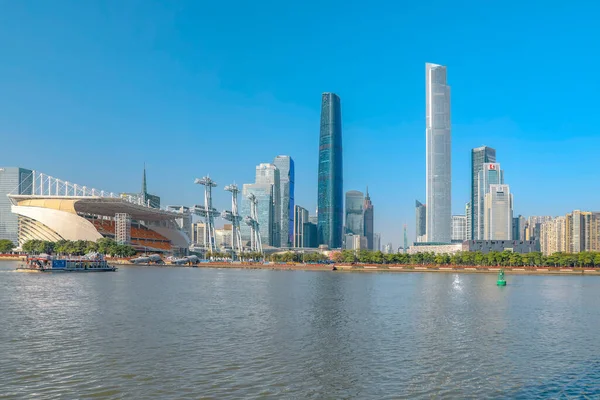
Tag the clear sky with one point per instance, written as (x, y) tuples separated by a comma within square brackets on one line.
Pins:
[(90, 90)]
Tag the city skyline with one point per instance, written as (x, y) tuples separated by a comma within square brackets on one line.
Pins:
[(156, 95)]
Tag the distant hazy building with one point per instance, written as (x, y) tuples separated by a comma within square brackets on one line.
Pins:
[(265, 210), (438, 154), (534, 225), (377, 241), (498, 213), (13, 180), (300, 219), (198, 231), (354, 212), (269, 174), (330, 183), (310, 236), (421, 221), (553, 236), (314, 219), (490, 174), (387, 249), (369, 220), (479, 156), (224, 237), (459, 228), (285, 164), (355, 242)]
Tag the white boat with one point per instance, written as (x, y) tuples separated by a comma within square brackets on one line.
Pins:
[(92, 262)]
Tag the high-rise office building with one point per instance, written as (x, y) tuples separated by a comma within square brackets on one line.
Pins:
[(369, 216), (354, 212), (355, 242), (330, 184), (498, 213), (490, 174), (377, 241), (459, 228), (269, 174), (300, 218), (438, 151), (421, 221), (310, 236), (479, 156), (285, 165), (265, 212), (13, 180)]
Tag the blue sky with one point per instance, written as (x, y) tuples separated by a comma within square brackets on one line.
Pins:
[(89, 90)]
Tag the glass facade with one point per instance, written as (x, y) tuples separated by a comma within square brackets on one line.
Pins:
[(490, 174), (300, 218), (285, 165), (438, 154), (421, 224), (264, 208), (12, 181), (479, 156), (269, 174), (459, 228), (354, 212), (330, 185)]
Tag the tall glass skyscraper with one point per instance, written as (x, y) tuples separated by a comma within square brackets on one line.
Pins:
[(12, 181), (330, 199), (369, 215), (354, 212), (479, 156), (268, 174), (264, 209), (420, 221), (285, 165), (438, 150)]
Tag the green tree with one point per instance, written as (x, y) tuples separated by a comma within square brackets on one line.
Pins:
[(6, 246)]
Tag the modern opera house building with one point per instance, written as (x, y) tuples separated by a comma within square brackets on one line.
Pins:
[(62, 211)]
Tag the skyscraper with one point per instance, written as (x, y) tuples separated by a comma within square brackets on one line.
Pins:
[(479, 156), (490, 174), (498, 213), (421, 221), (269, 174), (330, 209), (12, 181), (377, 241), (368, 220), (354, 212), (265, 211), (300, 218), (285, 165), (438, 150)]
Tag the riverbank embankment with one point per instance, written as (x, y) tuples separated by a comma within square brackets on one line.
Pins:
[(396, 268)]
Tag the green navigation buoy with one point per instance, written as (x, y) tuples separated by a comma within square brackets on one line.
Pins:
[(501, 281)]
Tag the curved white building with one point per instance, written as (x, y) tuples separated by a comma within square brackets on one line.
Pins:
[(53, 218)]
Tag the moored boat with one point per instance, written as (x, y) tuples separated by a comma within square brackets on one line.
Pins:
[(92, 262)]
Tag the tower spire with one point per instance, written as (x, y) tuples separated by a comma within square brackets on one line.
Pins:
[(144, 188)]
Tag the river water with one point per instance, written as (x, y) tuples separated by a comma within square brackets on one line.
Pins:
[(187, 333)]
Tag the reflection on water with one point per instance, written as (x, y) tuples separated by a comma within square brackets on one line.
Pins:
[(214, 333)]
